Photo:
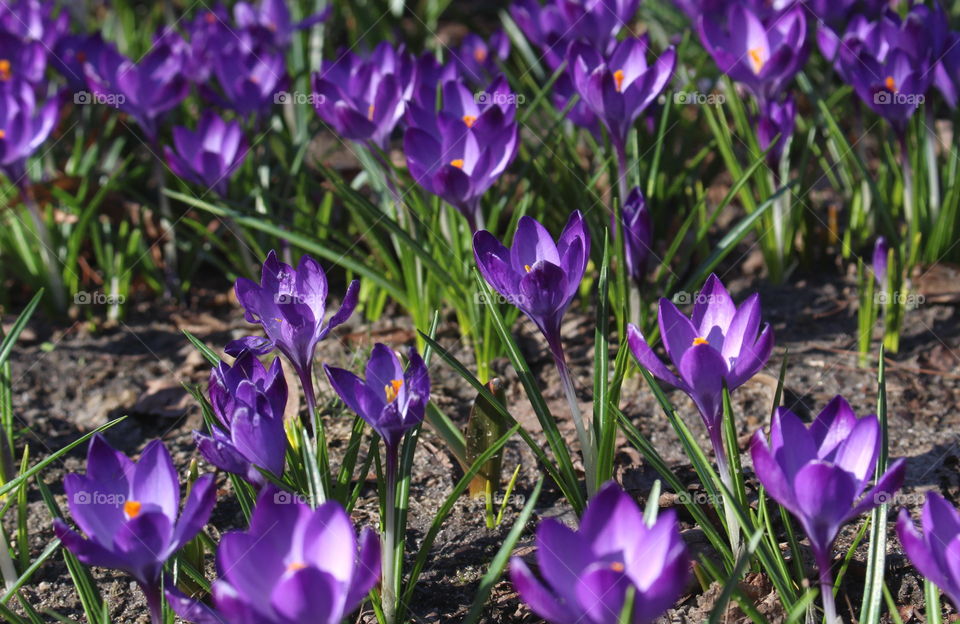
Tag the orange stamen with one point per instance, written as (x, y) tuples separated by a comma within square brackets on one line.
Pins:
[(210, 17), (296, 565), (132, 508), (3, 134), (5, 70), (480, 55), (458, 163), (527, 267), (469, 120), (618, 78), (393, 389), (370, 110), (700, 341), (890, 84), (756, 59), (616, 566)]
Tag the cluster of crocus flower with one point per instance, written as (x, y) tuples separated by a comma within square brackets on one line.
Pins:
[(210, 155), (459, 150), (248, 401), (130, 513), (587, 573), (820, 474), (892, 62)]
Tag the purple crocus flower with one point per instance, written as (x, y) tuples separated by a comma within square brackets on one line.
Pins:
[(936, 552), (777, 120), (478, 60), (619, 87), (210, 37), (294, 565), (19, 59), (820, 474), (597, 22), (537, 275), (24, 125), (144, 90), (363, 99), (290, 304), (272, 20), (72, 53), (249, 402), (764, 56), (33, 20), (586, 573), (459, 152), (129, 512), (638, 229), (249, 78), (881, 252), (210, 155), (721, 344), (891, 63), (392, 400)]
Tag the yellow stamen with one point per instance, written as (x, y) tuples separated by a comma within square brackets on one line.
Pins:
[(5, 70), (370, 110), (458, 163), (616, 566), (891, 84), (393, 389), (469, 120), (296, 565), (618, 78), (756, 59), (480, 54), (700, 341), (132, 508), (527, 267), (278, 319)]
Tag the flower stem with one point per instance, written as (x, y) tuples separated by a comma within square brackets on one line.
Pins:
[(723, 467), (154, 603), (319, 436), (826, 587), (388, 599), (623, 168), (584, 430)]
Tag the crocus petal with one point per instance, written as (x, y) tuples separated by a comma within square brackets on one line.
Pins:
[(648, 359), (858, 453), (538, 597), (824, 497), (561, 556), (883, 492), (770, 473), (367, 571), (308, 596), (196, 511), (702, 369), (676, 331), (155, 480)]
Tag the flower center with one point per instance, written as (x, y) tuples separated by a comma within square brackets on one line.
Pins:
[(132, 508), (3, 134), (5, 73), (469, 120), (618, 78), (756, 59), (296, 565), (480, 55), (81, 56), (890, 84), (527, 267), (458, 163), (210, 17), (700, 341), (393, 389), (370, 110), (616, 566)]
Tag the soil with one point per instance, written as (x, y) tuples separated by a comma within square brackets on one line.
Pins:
[(70, 379)]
